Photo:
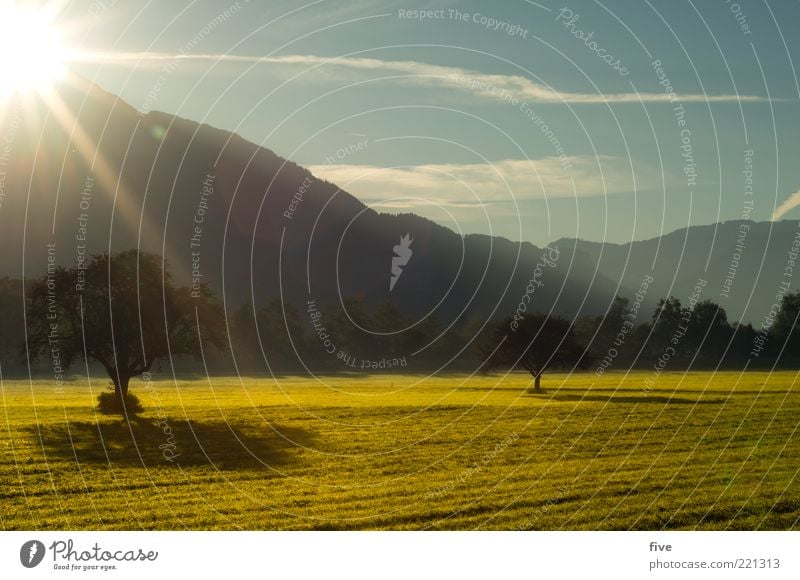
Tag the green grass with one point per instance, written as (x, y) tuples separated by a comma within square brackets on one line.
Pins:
[(700, 451)]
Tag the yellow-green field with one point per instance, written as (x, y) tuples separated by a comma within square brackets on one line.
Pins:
[(709, 451)]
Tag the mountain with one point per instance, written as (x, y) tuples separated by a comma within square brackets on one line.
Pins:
[(742, 265), (87, 173)]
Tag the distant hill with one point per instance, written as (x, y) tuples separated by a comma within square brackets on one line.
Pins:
[(744, 263), (97, 169), (93, 171)]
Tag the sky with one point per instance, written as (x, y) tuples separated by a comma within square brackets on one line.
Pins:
[(607, 121)]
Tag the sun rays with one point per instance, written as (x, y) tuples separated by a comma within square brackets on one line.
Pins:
[(32, 55)]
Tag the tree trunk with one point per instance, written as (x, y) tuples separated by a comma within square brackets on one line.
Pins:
[(121, 388), (537, 382)]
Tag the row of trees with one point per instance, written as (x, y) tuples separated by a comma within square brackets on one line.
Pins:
[(677, 337), (129, 314), (700, 336), (287, 337)]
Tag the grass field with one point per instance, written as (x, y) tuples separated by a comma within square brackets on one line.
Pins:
[(702, 450)]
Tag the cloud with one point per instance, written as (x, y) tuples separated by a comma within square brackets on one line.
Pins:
[(788, 205), (502, 183), (495, 87)]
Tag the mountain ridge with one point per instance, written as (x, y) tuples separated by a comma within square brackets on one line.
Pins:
[(149, 170)]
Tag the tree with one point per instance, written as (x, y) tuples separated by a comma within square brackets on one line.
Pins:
[(244, 337), (709, 333), (744, 336), (601, 333), (13, 324), (668, 317), (282, 334), (429, 340), (123, 311), (536, 342), (343, 321), (784, 328), (388, 319)]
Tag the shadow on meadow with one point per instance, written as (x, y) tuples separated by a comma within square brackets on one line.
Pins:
[(624, 399), (148, 443), (683, 391)]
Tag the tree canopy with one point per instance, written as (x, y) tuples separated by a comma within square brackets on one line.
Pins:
[(536, 343), (123, 311)]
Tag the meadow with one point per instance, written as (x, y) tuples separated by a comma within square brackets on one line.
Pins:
[(698, 451)]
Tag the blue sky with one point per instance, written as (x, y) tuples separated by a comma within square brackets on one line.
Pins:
[(533, 121)]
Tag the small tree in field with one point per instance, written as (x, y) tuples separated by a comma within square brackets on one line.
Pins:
[(123, 311), (535, 343)]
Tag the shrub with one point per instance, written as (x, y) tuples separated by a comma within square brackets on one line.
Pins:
[(110, 404)]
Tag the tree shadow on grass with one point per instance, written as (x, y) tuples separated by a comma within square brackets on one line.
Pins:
[(684, 391), (172, 441), (624, 399)]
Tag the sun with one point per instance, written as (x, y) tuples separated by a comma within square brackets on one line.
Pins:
[(32, 56)]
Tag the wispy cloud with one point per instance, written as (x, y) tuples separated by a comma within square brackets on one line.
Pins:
[(788, 205), (478, 185), (487, 86)]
